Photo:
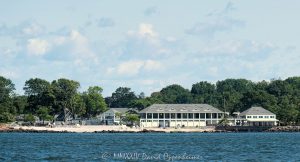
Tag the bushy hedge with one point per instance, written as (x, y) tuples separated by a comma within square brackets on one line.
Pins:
[(6, 117)]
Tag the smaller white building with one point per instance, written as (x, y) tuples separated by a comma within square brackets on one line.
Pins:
[(113, 115), (254, 116)]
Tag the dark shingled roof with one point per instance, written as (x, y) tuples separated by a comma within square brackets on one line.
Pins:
[(181, 108), (256, 111)]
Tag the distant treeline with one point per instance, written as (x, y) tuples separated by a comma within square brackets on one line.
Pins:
[(45, 99)]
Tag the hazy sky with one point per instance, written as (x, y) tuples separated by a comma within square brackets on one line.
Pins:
[(147, 45)]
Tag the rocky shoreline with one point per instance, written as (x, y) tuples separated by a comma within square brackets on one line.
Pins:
[(284, 129)]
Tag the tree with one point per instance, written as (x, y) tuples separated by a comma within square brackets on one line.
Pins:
[(122, 97), (279, 88), (6, 117), (175, 94), (64, 91), (203, 88), (132, 118), (230, 92), (78, 106), (20, 103), (6, 103), (29, 118), (204, 92), (39, 93), (94, 101), (141, 95), (43, 114), (140, 103), (6, 88), (258, 98), (119, 116)]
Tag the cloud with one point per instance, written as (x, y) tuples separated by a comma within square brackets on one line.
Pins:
[(145, 31), (74, 47), (106, 22), (217, 22), (150, 65), (81, 44), (146, 43), (130, 67), (24, 29), (134, 67), (211, 28), (238, 48), (11, 73), (37, 47), (33, 29), (150, 11)]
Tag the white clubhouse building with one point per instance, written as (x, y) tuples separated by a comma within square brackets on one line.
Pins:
[(180, 115)]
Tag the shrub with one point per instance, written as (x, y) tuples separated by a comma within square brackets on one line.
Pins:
[(6, 117)]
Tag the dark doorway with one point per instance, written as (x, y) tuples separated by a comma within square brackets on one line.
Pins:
[(161, 123), (167, 123)]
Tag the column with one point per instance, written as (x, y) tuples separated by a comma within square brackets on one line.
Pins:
[(146, 119), (151, 119), (114, 118)]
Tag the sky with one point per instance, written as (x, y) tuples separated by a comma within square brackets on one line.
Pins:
[(148, 44)]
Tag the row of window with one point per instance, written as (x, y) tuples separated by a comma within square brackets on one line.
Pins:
[(181, 115), (177, 120), (260, 116)]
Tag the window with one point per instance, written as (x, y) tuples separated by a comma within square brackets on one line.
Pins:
[(184, 115), (254, 116), (149, 115), (155, 115), (178, 115), (266, 116), (214, 115), (272, 116), (191, 116), (202, 115), (208, 115), (167, 116), (261, 117), (173, 116), (161, 115), (143, 116), (196, 115), (149, 121), (249, 116)]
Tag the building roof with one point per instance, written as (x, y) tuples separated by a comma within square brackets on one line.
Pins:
[(256, 111), (180, 108), (121, 110)]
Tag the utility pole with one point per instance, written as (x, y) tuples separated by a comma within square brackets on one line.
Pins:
[(224, 104)]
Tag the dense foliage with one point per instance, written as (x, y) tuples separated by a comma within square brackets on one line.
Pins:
[(47, 99)]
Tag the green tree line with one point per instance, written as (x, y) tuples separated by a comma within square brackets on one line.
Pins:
[(45, 99)]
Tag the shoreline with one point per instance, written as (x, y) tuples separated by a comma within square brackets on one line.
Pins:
[(125, 129), (100, 129)]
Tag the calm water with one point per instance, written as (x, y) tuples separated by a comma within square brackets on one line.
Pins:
[(154, 147)]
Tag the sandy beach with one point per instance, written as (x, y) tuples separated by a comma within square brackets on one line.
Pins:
[(101, 128)]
